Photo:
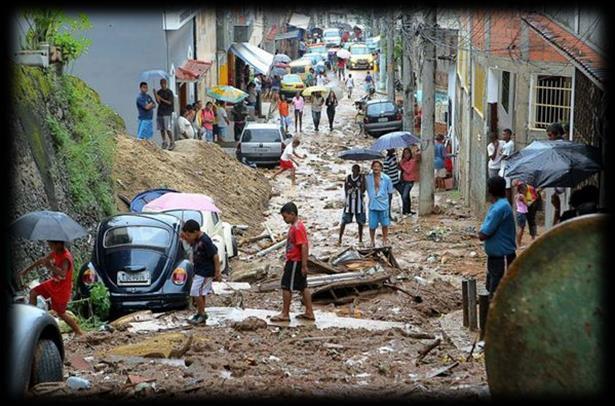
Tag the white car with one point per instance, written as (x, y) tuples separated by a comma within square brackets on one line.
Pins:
[(220, 232), (331, 37)]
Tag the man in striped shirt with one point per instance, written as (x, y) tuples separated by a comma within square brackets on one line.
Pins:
[(354, 187), (391, 168)]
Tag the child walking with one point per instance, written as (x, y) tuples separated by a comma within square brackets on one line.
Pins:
[(295, 269), (287, 161), (522, 210), (206, 264)]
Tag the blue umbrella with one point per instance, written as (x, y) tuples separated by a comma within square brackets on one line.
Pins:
[(360, 154), (396, 139)]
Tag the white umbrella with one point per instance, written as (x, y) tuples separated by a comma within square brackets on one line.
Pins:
[(343, 54)]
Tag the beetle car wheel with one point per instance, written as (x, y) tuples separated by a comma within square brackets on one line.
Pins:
[(47, 365)]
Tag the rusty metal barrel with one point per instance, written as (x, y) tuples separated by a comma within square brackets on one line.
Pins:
[(546, 325)]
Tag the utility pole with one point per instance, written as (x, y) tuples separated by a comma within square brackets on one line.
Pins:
[(382, 72), (391, 56), (426, 185), (407, 74)]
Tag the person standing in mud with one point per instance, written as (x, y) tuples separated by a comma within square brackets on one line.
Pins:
[(164, 98), (391, 168), (317, 102), (295, 269), (498, 233), (354, 189), (379, 187), (145, 106), (206, 264), (331, 105)]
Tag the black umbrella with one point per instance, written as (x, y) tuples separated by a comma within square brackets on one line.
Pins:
[(360, 154), (554, 163), (47, 226)]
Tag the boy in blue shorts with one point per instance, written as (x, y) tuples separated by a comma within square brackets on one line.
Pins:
[(145, 106)]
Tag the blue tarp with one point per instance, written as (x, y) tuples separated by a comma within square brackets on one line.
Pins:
[(143, 198)]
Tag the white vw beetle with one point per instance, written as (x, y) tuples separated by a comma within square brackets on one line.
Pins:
[(220, 232)]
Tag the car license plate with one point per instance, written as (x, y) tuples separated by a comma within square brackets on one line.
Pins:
[(382, 119), (133, 278)]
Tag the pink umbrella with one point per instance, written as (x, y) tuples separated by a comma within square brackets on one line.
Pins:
[(182, 201)]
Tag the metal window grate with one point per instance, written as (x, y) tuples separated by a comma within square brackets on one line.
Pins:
[(505, 90), (551, 101)]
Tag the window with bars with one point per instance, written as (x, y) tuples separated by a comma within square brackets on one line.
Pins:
[(505, 97), (552, 96)]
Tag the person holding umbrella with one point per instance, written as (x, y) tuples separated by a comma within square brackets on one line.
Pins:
[(409, 166), (59, 288), (331, 105), (354, 189)]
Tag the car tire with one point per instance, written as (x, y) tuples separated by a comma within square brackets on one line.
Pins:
[(47, 364)]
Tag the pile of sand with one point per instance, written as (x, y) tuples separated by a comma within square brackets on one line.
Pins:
[(193, 166)]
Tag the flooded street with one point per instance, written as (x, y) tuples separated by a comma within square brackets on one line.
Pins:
[(369, 343)]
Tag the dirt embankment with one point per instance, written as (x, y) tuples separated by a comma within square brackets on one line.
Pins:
[(193, 166)]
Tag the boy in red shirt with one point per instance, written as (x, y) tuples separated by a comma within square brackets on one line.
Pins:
[(60, 286), (295, 270), (284, 116)]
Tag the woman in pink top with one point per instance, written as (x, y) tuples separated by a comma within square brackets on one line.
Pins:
[(298, 104), (409, 166), (208, 118), (521, 205)]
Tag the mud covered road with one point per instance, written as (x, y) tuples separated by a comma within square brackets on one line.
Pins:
[(352, 352)]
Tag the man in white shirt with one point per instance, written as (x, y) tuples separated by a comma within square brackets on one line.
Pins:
[(494, 150), (508, 148), (186, 130), (287, 161)]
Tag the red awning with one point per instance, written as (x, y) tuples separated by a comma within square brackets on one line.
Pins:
[(192, 70), (578, 52)]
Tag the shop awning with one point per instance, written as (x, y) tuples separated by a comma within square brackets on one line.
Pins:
[(258, 58), (272, 32), (295, 34), (300, 21), (192, 70)]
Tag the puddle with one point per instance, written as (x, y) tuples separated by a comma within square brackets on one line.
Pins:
[(220, 315), (228, 288)]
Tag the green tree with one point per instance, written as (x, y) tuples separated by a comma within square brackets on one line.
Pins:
[(55, 28)]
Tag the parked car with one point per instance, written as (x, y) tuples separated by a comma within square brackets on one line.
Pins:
[(36, 352), (262, 144), (331, 37), (382, 116), (320, 49), (291, 84), (220, 232), (360, 57), (141, 260), (313, 57), (301, 67)]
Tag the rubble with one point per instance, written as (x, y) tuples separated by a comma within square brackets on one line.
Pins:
[(250, 324), (169, 345)]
